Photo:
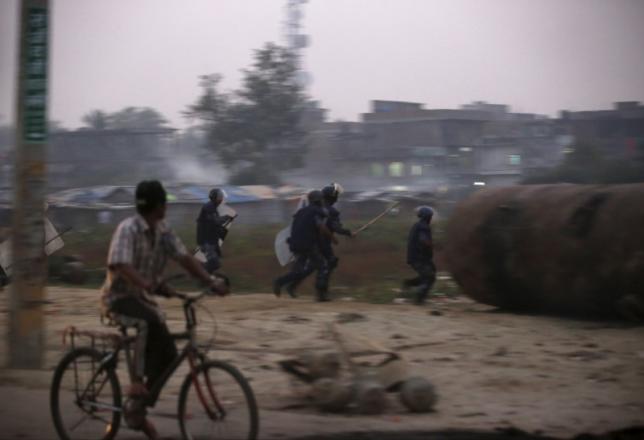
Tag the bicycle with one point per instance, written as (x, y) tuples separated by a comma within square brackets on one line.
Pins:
[(208, 406)]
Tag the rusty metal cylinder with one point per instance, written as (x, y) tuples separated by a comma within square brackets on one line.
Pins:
[(552, 248)]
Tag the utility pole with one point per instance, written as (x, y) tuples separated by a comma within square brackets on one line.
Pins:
[(26, 318)]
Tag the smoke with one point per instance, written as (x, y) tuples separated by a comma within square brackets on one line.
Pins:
[(191, 169), (191, 162)]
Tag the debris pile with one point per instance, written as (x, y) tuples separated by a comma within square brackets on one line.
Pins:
[(359, 380)]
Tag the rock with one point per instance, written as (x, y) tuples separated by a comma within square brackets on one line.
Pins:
[(418, 394), (392, 373), (343, 318), (370, 397), (331, 394), (325, 364), (295, 319)]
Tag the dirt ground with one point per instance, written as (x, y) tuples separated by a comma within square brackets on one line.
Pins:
[(552, 376)]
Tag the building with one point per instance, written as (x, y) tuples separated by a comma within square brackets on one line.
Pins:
[(88, 157), (619, 132), (404, 144)]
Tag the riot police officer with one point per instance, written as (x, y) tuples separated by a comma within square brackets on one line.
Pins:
[(330, 193), (309, 224), (211, 227), (420, 254)]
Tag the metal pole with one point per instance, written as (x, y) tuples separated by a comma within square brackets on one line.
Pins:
[(26, 319)]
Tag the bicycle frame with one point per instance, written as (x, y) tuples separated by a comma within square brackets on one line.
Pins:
[(190, 351)]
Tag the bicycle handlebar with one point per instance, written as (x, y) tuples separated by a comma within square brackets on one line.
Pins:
[(164, 289)]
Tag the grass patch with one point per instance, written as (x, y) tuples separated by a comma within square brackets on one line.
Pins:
[(372, 265)]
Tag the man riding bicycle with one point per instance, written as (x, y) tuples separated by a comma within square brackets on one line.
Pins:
[(139, 250)]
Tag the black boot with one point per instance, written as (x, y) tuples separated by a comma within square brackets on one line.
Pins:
[(323, 296), (277, 288), (290, 289)]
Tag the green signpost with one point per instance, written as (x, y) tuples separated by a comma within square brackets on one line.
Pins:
[(34, 96)]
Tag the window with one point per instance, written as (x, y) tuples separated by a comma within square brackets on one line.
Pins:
[(416, 170), (396, 169), (514, 159), (377, 170)]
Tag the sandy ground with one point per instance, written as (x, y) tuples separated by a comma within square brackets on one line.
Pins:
[(554, 376)]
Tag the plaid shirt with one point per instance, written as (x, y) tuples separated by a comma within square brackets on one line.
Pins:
[(146, 250)]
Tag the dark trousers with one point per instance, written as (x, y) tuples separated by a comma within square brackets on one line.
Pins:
[(331, 262), (160, 349), (305, 264), (213, 256), (424, 281)]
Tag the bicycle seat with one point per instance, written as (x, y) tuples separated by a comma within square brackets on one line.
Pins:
[(122, 322), (108, 319)]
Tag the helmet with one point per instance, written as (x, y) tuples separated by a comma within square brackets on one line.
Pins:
[(331, 192), (217, 195), (424, 212), (314, 196)]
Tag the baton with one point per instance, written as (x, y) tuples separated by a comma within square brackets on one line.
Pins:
[(375, 219), (230, 220)]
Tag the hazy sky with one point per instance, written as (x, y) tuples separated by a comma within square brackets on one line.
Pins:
[(535, 55)]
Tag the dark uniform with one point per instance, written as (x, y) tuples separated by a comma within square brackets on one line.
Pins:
[(211, 227), (4, 278), (304, 242), (420, 258), (326, 246)]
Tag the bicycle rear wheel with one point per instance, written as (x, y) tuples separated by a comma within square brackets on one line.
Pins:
[(219, 404), (85, 397)]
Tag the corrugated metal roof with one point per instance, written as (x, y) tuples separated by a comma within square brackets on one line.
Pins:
[(124, 195)]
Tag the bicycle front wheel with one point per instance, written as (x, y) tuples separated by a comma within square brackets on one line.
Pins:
[(85, 397), (217, 403)]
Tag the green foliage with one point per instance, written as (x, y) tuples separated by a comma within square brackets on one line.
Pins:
[(587, 164), (96, 119), (129, 118), (256, 127)]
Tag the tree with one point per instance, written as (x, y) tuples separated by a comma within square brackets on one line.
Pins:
[(137, 118), (96, 119), (129, 118), (255, 130)]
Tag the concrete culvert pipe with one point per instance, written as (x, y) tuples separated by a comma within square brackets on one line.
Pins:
[(418, 394), (574, 249)]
